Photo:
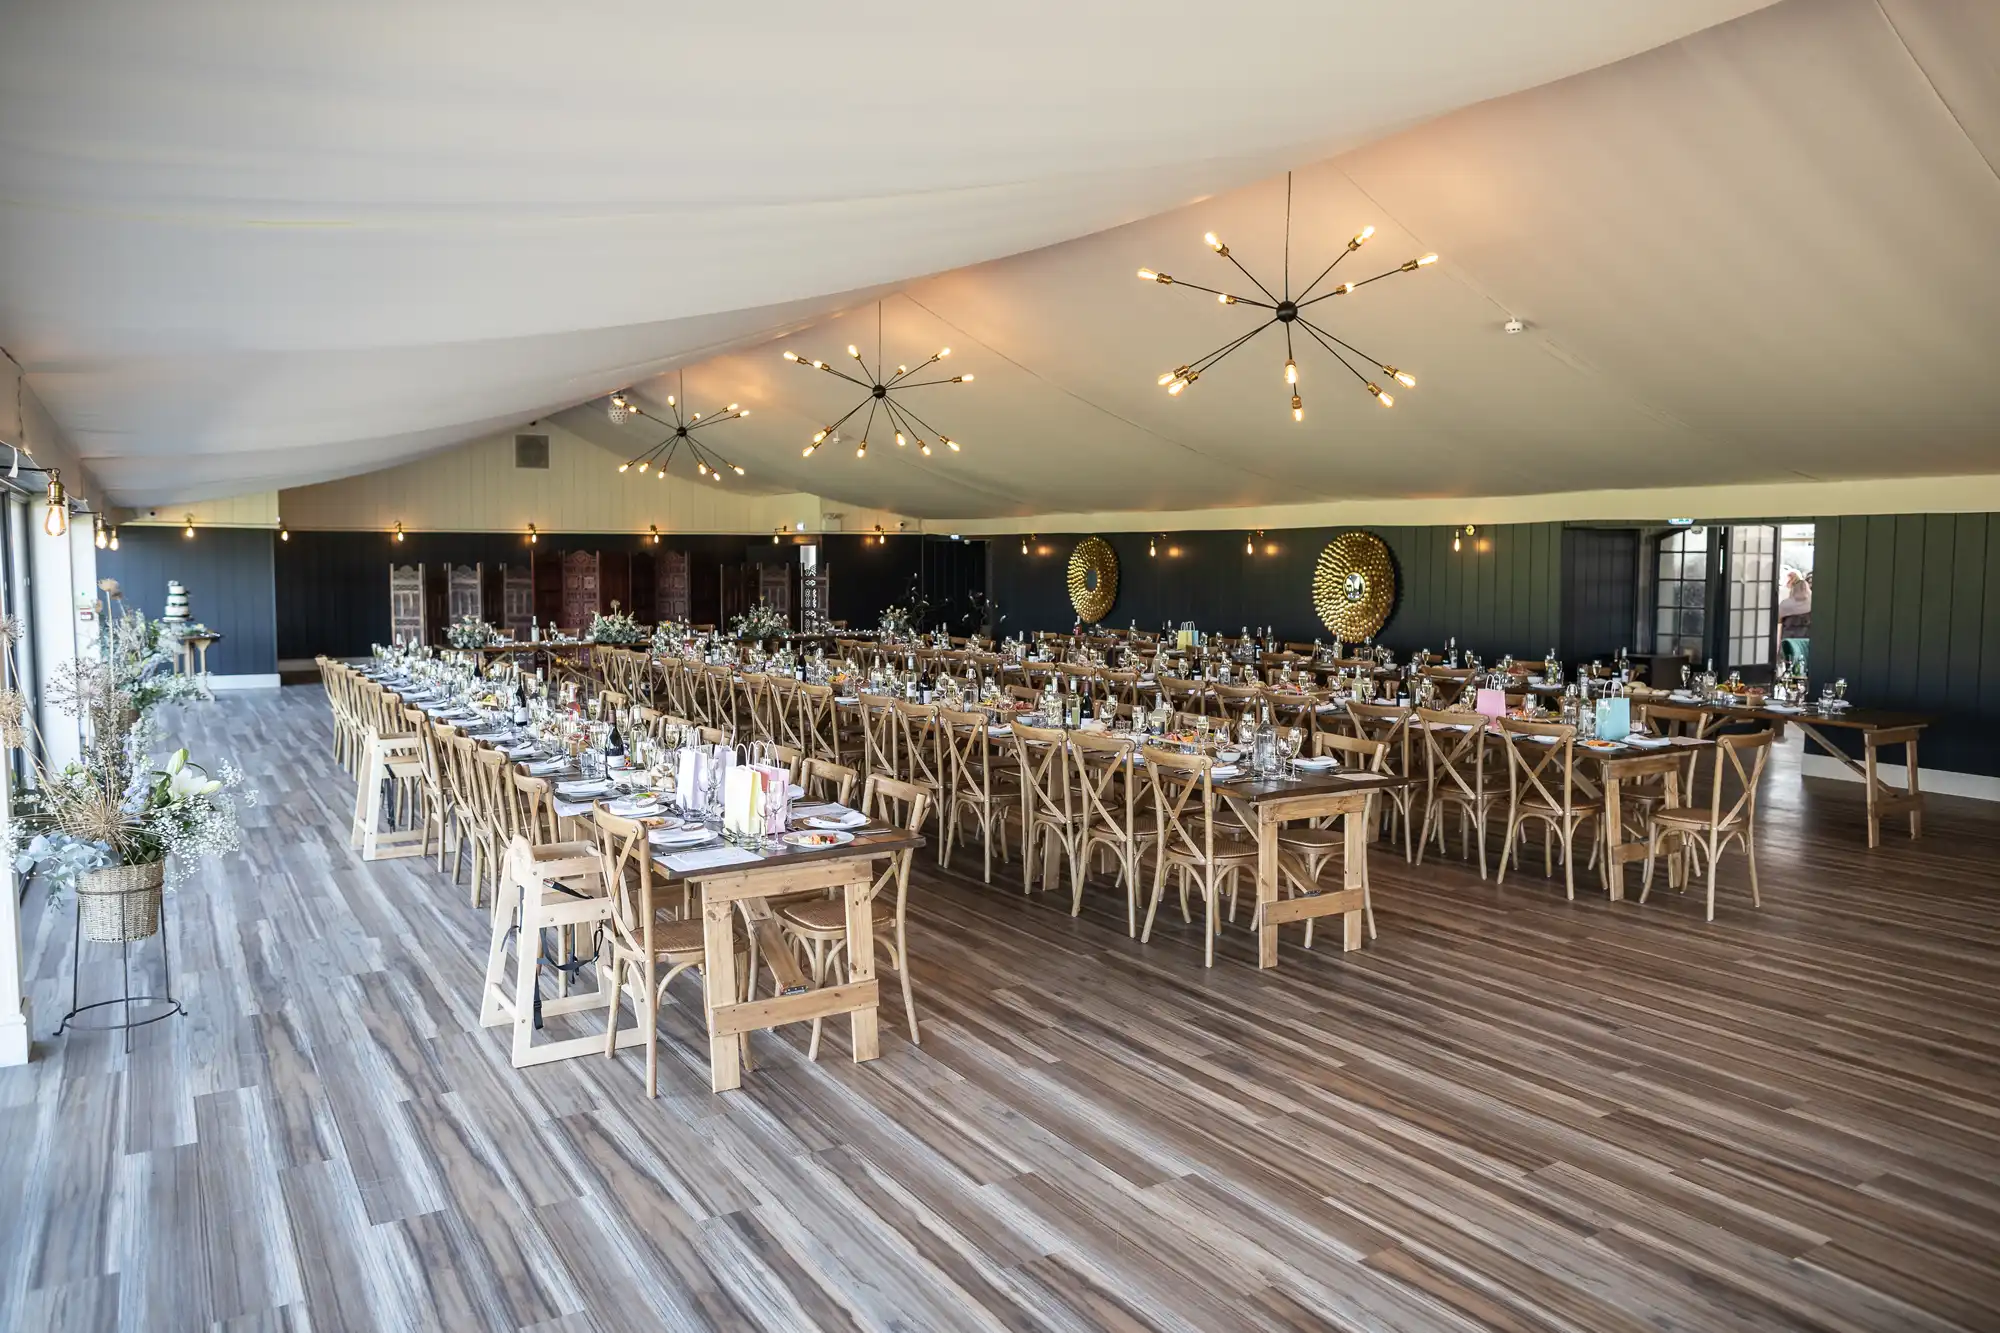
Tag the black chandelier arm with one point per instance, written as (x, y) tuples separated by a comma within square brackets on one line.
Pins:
[(924, 384), (1373, 361), (842, 420), (1202, 363), (904, 409), (1344, 253), (1213, 291), (899, 417), (903, 374), (827, 366), (1246, 273), (715, 418), (1322, 337), (869, 429), (1353, 286)]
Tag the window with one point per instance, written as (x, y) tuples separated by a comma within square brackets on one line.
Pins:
[(1752, 594), (1681, 614)]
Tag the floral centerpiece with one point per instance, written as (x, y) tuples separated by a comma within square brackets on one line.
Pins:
[(895, 622), (669, 639), (469, 632), (615, 628), (762, 621)]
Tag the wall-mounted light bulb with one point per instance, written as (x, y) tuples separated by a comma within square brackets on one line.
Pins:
[(99, 537), (399, 532), (1152, 547), (188, 531), (533, 536), (654, 529), (1024, 546), (1456, 543), (114, 538), (1250, 545), (1291, 371), (284, 533), (56, 521)]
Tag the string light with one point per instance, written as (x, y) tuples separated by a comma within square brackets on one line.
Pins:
[(1289, 312), (881, 390), (683, 427)]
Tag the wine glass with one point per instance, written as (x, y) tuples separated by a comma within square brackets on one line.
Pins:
[(1293, 740)]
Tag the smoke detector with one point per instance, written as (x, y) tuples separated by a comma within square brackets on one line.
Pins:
[(1513, 326)]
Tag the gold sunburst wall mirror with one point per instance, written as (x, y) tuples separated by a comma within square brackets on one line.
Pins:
[(1093, 579), (1354, 585)]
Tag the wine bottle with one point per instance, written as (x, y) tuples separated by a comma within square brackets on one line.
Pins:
[(520, 700), (614, 748)]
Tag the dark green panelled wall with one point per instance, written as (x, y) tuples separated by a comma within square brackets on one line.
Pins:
[(1501, 593), (1906, 607)]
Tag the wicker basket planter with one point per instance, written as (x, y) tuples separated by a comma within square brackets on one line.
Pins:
[(121, 903)]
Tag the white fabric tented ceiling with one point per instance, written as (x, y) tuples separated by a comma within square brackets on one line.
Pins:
[(250, 247)]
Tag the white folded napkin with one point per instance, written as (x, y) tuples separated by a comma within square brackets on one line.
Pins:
[(708, 858), (541, 768), (844, 819)]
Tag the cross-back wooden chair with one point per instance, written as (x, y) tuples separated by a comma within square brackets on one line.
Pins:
[(1390, 724), (1112, 803), (1236, 702), (1190, 842), (647, 951), (825, 780), (1047, 828), (1185, 695), (1310, 846), (1705, 835), (878, 735), (819, 925), (922, 759), (1542, 787), (1455, 773), (434, 791), (983, 789), (817, 722)]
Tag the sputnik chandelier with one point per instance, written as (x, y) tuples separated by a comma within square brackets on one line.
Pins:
[(881, 397), (623, 405), (1290, 311)]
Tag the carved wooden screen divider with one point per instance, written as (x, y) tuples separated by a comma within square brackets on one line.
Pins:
[(406, 603)]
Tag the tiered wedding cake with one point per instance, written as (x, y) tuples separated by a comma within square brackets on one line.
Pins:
[(177, 603)]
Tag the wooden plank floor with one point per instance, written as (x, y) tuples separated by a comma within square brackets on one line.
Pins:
[(1509, 1112)]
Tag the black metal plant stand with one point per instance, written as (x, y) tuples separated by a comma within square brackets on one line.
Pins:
[(127, 999)]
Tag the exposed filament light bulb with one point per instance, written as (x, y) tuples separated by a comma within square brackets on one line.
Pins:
[(1403, 377), (791, 356), (1361, 237), (899, 439), (736, 469), (1213, 243), (1291, 371), (625, 467), (1381, 397), (951, 443), (1224, 298), (861, 450), (854, 351), (1298, 408), (925, 448)]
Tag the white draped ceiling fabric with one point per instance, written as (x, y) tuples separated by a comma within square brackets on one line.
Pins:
[(245, 247)]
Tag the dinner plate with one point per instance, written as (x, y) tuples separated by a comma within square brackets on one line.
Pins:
[(1223, 772), (629, 809), (1319, 765), (1594, 744), (816, 841), (577, 791)]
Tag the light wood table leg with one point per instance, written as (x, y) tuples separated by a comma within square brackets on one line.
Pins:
[(1614, 842), (1267, 888), (861, 969), (1355, 826), (725, 1062)]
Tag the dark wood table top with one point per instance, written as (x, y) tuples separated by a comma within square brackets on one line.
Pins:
[(872, 840), (1253, 790), (1853, 719)]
